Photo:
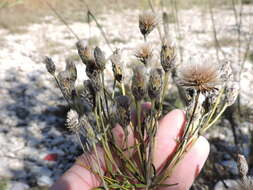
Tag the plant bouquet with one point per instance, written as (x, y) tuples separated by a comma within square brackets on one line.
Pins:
[(98, 108)]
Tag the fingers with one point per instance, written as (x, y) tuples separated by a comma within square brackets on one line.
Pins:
[(79, 177), (190, 166), (169, 130), (119, 134)]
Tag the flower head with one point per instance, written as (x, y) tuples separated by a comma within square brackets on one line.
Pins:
[(73, 121), (49, 65), (147, 22), (85, 52), (144, 53), (168, 56), (202, 77), (116, 66), (155, 83), (138, 83)]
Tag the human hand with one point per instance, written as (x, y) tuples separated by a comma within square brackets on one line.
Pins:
[(170, 128)]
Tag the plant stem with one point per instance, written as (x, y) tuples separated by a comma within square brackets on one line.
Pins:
[(215, 119), (165, 84)]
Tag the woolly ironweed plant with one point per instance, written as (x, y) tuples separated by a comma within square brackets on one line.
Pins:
[(96, 108)]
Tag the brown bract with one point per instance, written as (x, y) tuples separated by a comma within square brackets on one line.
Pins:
[(144, 53), (168, 56), (202, 77), (155, 83), (116, 66), (85, 52), (147, 22), (138, 83)]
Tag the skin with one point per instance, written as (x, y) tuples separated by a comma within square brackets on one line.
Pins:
[(170, 128)]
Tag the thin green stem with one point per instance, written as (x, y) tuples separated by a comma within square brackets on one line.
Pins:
[(123, 88), (99, 166), (215, 119), (165, 84)]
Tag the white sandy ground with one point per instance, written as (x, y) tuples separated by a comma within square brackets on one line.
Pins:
[(27, 90)]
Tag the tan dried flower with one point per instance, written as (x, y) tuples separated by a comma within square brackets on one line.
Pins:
[(155, 83), (85, 52), (144, 53), (123, 110), (139, 83), (116, 66), (202, 77), (66, 83), (71, 68), (147, 22), (168, 56)]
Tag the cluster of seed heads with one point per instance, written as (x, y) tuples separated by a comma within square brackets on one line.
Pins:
[(92, 115)]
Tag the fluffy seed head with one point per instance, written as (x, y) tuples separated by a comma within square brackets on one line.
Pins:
[(155, 83), (73, 121), (138, 83), (49, 65), (144, 53), (168, 56), (116, 66), (202, 77), (147, 22)]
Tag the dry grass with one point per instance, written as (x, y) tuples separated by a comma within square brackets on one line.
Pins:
[(31, 11)]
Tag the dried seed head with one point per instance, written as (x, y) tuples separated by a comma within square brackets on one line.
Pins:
[(123, 101), (85, 52), (123, 110), (168, 56), (245, 184), (155, 83), (66, 84), (231, 92), (201, 77), (139, 83), (88, 94), (147, 22), (85, 125), (73, 121), (144, 53), (49, 65), (242, 165), (71, 68), (99, 58), (116, 66)]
